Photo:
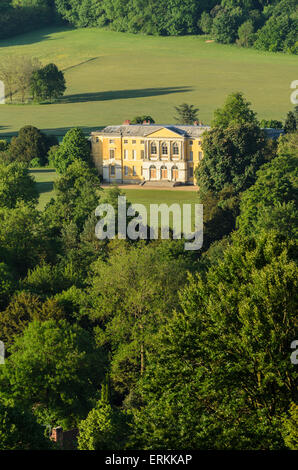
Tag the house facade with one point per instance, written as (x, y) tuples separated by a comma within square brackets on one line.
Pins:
[(132, 154)]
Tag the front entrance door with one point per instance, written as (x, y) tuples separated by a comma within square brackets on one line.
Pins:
[(164, 173)]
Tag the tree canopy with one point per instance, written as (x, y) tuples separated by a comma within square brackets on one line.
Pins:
[(16, 185), (221, 377), (56, 366), (74, 147), (47, 83)]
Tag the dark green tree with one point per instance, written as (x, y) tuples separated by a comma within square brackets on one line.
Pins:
[(16, 185), (232, 156), (271, 124), (131, 295), (224, 26), (221, 377), (77, 196), (46, 280), (290, 123), (24, 238), (23, 309), (186, 114), (220, 213), (7, 285), (290, 431), (56, 366), (205, 22), (272, 201), (278, 34), (48, 83), (141, 119), (19, 429), (246, 36), (30, 144)]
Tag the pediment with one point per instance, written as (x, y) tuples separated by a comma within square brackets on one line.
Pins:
[(166, 132)]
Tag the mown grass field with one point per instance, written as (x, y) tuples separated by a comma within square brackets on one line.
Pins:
[(114, 76)]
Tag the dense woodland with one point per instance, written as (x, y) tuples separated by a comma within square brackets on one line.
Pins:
[(262, 24), (141, 344)]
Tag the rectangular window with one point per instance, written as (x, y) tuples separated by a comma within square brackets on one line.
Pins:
[(191, 156), (112, 170), (112, 153), (134, 154), (142, 141), (134, 141), (134, 171), (190, 142), (126, 170), (126, 141), (125, 154), (200, 156), (112, 141), (190, 172)]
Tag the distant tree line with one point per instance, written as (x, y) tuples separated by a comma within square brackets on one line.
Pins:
[(270, 26), (264, 25), (21, 16)]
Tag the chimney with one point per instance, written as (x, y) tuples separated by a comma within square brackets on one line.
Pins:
[(146, 122), (196, 123), (126, 123)]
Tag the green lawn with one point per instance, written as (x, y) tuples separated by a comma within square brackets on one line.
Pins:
[(45, 181), (114, 76), (157, 196)]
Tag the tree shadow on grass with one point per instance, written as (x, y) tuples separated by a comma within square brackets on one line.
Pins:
[(44, 187), (123, 94), (44, 170), (32, 37)]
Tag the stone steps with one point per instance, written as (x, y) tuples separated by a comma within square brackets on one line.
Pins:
[(160, 184)]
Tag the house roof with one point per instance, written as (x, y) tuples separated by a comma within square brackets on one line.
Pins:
[(142, 130)]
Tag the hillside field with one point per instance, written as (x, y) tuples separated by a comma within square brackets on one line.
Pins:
[(114, 76)]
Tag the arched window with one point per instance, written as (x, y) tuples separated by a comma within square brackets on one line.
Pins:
[(153, 148), (175, 149), (164, 148)]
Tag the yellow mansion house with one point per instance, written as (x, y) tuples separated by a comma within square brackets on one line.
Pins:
[(147, 152)]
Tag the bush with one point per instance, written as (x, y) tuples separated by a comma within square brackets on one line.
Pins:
[(35, 163)]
